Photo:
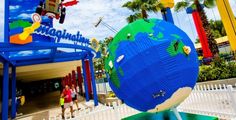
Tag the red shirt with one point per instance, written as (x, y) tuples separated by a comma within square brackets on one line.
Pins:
[(67, 95)]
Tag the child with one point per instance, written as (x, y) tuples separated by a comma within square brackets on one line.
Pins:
[(62, 106)]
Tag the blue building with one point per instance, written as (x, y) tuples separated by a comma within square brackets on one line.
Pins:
[(38, 59)]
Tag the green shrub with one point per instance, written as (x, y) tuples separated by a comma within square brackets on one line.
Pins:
[(203, 73), (218, 69), (232, 69)]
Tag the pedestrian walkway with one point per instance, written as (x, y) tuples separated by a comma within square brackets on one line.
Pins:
[(40, 103), (45, 106), (56, 112)]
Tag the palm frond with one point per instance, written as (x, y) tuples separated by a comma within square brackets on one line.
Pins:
[(157, 6), (145, 6), (133, 17), (131, 5), (209, 3), (181, 5), (127, 4), (193, 6)]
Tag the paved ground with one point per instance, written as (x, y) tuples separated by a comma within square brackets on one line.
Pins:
[(45, 106), (39, 103), (53, 112)]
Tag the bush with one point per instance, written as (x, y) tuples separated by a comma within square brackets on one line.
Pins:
[(203, 73), (232, 69), (218, 69)]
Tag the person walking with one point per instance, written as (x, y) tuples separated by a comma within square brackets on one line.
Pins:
[(68, 103), (61, 102), (74, 96)]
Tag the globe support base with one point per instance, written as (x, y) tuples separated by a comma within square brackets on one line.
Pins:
[(176, 113)]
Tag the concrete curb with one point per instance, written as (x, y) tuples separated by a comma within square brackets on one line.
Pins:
[(231, 81)]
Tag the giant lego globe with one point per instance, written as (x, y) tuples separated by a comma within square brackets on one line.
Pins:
[(152, 65)]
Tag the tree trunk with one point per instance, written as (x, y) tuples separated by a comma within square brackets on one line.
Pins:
[(144, 13), (211, 39)]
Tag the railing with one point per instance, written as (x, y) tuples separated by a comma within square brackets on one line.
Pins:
[(212, 100), (111, 113), (102, 88)]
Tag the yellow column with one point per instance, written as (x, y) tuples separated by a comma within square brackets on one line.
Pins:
[(168, 3), (228, 20)]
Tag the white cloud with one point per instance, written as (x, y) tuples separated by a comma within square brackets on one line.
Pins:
[(24, 16), (88, 12), (22, 53), (14, 7)]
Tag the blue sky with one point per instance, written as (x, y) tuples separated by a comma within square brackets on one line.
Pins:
[(82, 16)]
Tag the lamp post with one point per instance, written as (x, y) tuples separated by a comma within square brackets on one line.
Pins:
[(100, 21)]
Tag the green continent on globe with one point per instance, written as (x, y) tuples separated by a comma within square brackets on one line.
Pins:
[(115, 79), (122, 35), (175, 48), (133, 31), (121, 71)]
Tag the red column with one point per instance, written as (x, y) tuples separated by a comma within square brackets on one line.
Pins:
[(202, 35), (70, 79), (80, 79), (63, 82), (67, 80), (88, 75), (74, 78)]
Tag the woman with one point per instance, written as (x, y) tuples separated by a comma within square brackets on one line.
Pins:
[(74, 96)]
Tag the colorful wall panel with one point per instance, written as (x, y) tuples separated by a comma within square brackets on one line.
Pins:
[(201, 34), (228, 20)]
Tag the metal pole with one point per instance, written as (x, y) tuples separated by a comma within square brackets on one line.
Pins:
[(95, 97), (5, 90), (176, 113), (13, 93), (85, 80)]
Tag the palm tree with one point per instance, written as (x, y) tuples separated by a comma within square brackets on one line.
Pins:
[(217, 28), (197, 6), (133, 17), (136, 5), (141, 7), (103, 45)]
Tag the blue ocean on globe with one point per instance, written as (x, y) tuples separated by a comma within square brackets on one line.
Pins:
[(152, 64)]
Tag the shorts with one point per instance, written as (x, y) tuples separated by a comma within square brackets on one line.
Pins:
[(67, 105), (74, 98), (62, 106)]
